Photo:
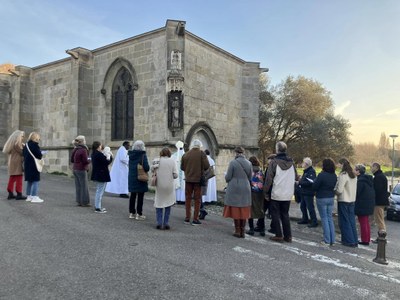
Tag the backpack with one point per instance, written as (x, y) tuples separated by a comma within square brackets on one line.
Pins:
[(257, 182)]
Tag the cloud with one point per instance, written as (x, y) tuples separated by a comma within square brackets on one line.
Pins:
[(341, 108)]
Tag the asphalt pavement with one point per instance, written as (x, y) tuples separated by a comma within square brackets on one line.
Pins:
[(57, 250)]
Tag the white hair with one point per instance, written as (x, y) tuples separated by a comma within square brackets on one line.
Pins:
[(196, 144), (307, 161), (138, 145)]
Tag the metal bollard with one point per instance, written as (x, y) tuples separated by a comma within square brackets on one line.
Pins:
[(381, 250)]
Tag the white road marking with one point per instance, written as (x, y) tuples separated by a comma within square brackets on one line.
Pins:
[(322, 258)]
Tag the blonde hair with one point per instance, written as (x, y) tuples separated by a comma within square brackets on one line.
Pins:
[(34, 136), (15, 139)]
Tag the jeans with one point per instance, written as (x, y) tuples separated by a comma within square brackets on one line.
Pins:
[(159, 215), (132, 203), (32, 188), (325, 208), (309, 200), (347, 223), (303, 208), (100, 187), (280, 213)]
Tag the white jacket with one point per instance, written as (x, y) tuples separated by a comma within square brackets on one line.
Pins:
[(346, 188)]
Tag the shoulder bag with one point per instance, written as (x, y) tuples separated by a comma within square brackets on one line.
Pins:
[(141, 173), (38, 162)]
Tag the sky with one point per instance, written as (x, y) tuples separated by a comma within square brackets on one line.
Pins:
[(351, 47)]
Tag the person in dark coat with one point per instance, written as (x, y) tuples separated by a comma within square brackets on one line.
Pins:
[(307, 192), (32, 175), (136, 187), (365, 202), (100, 174), (381, 196), (324, 186)]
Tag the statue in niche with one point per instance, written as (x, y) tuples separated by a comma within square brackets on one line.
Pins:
[(176, 60), (175, 110)]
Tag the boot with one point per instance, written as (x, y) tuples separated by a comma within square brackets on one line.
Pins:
[(20, 197), (251, 227), (10, 196), (242, 226), (237, 228)]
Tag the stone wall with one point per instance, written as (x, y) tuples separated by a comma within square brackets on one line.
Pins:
[(73, 96)]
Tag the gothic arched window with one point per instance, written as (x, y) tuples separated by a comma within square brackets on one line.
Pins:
[(122, 106)]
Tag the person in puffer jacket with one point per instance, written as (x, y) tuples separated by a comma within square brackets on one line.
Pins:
[(281, 175)]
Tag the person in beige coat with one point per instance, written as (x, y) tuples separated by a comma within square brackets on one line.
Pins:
[(166, 171), (346, 189), (13, 148)]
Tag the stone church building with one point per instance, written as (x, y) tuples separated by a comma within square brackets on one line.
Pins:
[(161, 86)]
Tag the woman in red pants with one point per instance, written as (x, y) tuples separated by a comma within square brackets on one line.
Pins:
[(13, 148), (365, 203)]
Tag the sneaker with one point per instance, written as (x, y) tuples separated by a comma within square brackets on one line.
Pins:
[(196, 222), (140, 217), (167, 227), (159, 227), (323, 243), (186, 222), (29, 198), (36, 199), (132, 216), (100, 210)]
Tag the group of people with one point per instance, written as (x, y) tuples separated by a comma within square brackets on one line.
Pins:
[(357, 193), (250, 192), (174, 173), (21, 162)]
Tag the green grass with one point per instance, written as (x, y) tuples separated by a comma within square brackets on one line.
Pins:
[(387, 170)]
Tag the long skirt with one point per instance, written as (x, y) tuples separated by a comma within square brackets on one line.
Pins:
[(237, 212)]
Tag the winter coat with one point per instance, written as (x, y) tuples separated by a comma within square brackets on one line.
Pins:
[(324, 185), (15, 161), (31, 172), (365, 199), (192, 163), (165, 189), (305, 184), (381, 189), (79, 158), (135, 157), (100, 164), (238, 177), (281, 175), (346, 188)]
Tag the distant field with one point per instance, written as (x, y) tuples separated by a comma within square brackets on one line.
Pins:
[(385, 169)]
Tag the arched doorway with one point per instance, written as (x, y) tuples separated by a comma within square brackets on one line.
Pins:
[(203, 132)]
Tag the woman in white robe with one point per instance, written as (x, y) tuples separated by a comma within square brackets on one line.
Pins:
[(211, 195), (119, 172), (180, 181)]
